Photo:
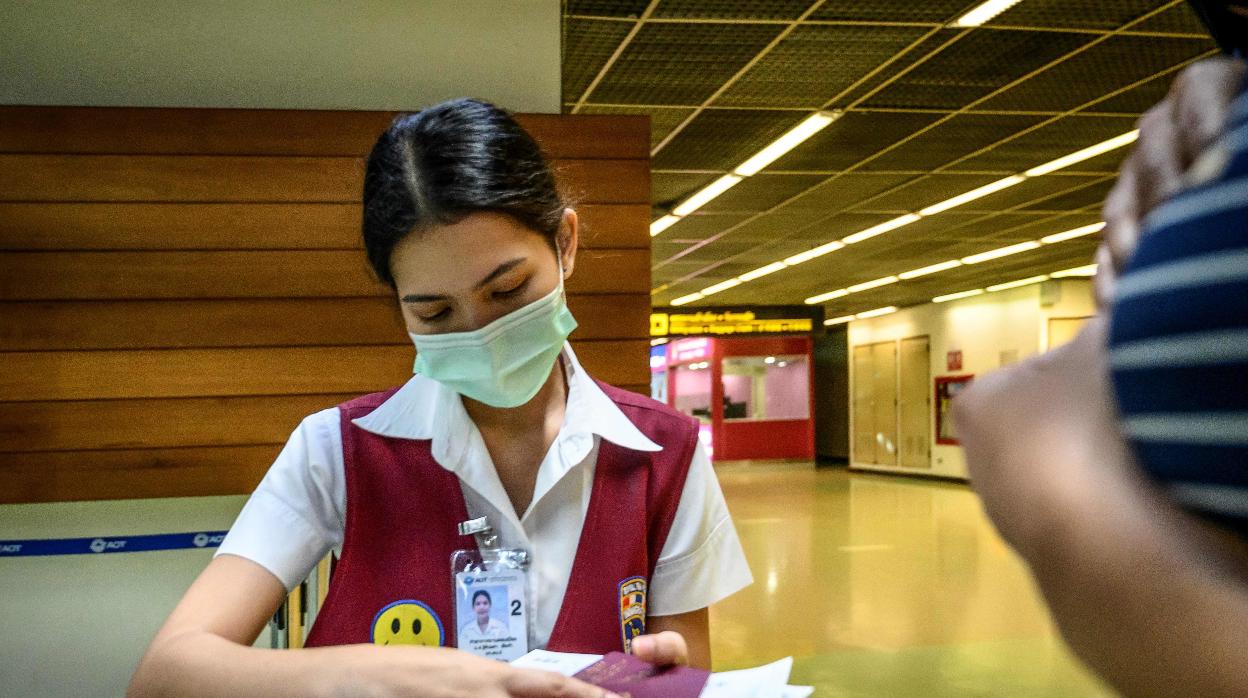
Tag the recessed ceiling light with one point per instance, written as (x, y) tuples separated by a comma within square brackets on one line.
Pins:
[(1072, 234), (816, 252), (1089, 270), (762, 271), (1002, 252), (880, 229), (707, 193), (829, 296), (877, 312), (958, 296), (722, 286), (808, 127), (1085, 154), (943, 266), (875, 283), (662, 224), (984, 12), (967, 197), (1018, 284)]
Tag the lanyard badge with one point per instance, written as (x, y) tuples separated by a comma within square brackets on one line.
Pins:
[(491, 595)]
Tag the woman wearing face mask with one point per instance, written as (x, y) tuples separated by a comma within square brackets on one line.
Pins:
[(462, 218)]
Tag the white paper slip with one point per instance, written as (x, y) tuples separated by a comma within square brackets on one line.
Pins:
[(565, 663), (767, 681)]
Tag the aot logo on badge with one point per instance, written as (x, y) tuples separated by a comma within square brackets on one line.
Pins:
[(632, 609), (11, 549), (100, 545)]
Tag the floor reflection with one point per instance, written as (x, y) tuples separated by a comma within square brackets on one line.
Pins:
[(884, 585)]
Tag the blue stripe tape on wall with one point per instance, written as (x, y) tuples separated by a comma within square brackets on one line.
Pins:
[(117, 544)]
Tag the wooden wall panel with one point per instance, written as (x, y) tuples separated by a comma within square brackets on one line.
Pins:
[(235, 226), (260, 179), (48, 275), (153, 373), (144, 424), (280, 132), (180, 287), (198, 323)]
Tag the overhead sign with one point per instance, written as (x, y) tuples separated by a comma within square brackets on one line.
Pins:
[(754, 320)]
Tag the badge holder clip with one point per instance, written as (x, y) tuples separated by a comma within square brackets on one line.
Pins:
[(491, 595)]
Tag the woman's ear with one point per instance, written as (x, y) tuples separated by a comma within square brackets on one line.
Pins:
[(569, 240)]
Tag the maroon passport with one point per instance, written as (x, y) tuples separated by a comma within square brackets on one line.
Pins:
[(628, 675)]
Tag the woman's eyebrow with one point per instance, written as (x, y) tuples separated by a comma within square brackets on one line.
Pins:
[(499, 271)]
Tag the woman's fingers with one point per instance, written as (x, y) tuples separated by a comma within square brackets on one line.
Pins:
[(530, 683), (663, 648)]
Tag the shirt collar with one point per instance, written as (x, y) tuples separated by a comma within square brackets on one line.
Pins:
[(424, 409)]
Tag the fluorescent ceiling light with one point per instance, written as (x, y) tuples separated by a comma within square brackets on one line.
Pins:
[(722, 286), (810, 126), (838, 320), (704, 196), (881, 228), (829, 296), (683, 300), (875, 283), (761, 272), (984, 12), (958, 296), (1089, 270), (662, 224), (1072, 234), (659, 342), (877, 312), (1003, 252), (1085, 154), (1019, 283), (812, 254), (967, 197), (943, 266)]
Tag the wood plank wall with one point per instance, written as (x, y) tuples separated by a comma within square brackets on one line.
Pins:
[(179, 287)]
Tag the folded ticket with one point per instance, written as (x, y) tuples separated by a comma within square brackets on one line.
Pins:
[(625, 674)]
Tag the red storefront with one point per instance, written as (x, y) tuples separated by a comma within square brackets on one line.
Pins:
[(753, 394)]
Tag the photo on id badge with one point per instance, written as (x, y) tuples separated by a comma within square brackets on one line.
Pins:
[(490, 613)]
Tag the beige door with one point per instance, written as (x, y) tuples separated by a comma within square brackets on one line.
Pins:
[(884, 402), (862, 406), (1064, 329), (915, 403)]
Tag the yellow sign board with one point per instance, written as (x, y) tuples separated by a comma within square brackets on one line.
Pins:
[(726, 323)]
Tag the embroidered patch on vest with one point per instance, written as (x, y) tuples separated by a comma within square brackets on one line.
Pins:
[(407, 622), (632, 609)]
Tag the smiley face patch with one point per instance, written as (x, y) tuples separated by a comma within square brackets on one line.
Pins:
[(407, 622)]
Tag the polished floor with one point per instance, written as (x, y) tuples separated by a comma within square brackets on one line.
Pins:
[(884, 586)]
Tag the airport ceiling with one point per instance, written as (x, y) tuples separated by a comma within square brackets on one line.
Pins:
[(928, 111)]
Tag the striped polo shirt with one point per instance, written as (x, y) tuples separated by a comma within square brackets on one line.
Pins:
[(1179, 335)]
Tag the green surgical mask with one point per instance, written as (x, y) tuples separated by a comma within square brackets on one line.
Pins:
[(505, 363)]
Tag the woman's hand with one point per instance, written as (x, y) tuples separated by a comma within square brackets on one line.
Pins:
[(441, 672), (1042, 440), (665, 648), (1173, 134)]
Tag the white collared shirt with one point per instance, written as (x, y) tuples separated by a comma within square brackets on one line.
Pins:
[(298, 512)]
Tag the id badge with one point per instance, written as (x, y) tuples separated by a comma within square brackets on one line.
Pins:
[(491, 602)]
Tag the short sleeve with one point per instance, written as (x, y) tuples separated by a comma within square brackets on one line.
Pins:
[(295, 516), (702, 561)]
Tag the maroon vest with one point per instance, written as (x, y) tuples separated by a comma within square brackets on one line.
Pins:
[(393, 580)]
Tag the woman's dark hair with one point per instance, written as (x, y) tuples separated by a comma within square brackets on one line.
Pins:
[(440, 164), (482, 592)]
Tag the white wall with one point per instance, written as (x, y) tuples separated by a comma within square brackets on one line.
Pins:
[(76, 625), (991, 330), (288, 54)]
